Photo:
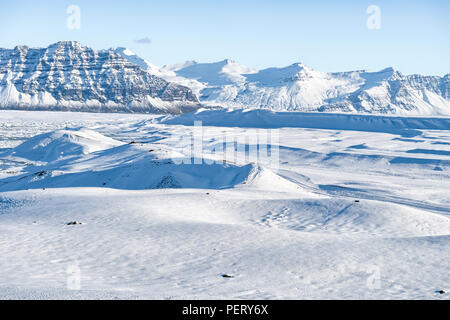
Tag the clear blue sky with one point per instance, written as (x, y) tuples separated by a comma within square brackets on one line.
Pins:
[(326, 35)]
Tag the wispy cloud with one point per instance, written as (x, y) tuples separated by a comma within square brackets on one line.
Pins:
[(145, 40)]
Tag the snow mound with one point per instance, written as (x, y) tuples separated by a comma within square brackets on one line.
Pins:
[(136, 166), (148, 173), (60, 144), (263, 178)]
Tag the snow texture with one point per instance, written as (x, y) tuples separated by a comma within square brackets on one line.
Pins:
[(358, 207)]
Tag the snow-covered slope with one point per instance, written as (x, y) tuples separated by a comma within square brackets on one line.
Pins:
[(59, 144), (67, 76), (85, 158), (166, 72), (255, 118), (345, 214), (300, 88)]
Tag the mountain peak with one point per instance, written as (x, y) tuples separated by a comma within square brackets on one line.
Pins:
[(227, 61), (388, 70), (386, 73), (124, 51), (135, 59), (66, 44), (298, 64), (178, 66), (21, 48), (298, 67)]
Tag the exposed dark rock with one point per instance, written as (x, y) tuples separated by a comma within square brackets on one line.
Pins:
[(73, 223)]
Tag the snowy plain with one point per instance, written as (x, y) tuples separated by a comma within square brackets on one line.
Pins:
[(358, 207)]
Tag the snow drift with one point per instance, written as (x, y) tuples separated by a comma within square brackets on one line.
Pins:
[(85, 158), (256, 118)]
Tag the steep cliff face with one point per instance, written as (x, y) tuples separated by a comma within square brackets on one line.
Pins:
[(68, 76)]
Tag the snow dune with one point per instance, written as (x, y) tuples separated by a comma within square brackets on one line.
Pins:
[(58, 144), (350, 213), (85, 158)]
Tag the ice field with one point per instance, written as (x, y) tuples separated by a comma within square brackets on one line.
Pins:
[(355, 207)]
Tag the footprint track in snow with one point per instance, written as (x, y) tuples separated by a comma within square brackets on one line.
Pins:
[(274, 219)]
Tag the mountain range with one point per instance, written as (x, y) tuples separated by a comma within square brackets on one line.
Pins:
[(300, 88), (68, 76)]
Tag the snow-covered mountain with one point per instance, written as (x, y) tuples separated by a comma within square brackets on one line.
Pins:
[(68, 76), (300, 88)]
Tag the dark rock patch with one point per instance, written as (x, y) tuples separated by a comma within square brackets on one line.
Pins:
[(73, 223)]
